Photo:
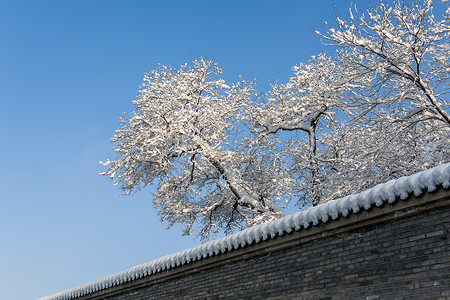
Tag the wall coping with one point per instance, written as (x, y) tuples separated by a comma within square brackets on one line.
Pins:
[(397, 198)]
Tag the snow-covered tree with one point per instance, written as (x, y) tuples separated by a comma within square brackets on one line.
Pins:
[(297, 114), (377, 111), (399, 55), (220, 159), (181, 138)]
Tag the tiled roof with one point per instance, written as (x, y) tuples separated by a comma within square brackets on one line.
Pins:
[(426, 181)]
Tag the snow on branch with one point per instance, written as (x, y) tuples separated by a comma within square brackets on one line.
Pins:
[(179, 137)]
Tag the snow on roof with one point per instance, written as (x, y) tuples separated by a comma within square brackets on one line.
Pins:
[(388, 192)]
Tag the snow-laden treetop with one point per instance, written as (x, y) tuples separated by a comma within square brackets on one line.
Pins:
[(390, 192)]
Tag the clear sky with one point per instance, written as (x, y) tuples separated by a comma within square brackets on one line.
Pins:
[(67, 69)]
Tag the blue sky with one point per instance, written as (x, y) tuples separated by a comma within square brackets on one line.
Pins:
[(67, 69)]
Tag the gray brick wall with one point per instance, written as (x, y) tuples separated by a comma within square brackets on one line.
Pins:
[(400, 258)]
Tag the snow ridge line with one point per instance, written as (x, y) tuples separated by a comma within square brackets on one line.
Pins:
[(388, 192)]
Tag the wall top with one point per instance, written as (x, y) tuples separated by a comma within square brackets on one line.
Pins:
[(399, 189)]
